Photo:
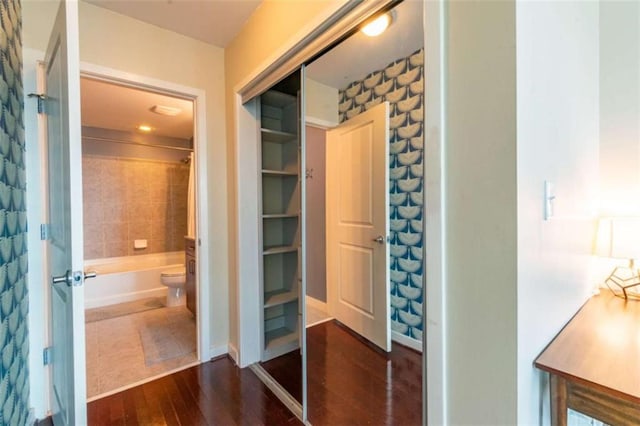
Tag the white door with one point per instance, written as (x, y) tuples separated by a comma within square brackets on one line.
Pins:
[(357, 203), (65, 256)]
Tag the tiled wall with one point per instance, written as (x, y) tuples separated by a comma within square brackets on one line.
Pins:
[(401, 84), (129, 199), (14, 304)]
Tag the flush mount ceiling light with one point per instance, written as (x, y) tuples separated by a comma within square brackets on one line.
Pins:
[(144, 128), (378, 25), (166, 110)]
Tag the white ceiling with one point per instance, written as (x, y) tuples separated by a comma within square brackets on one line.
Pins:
[(360, 55), (215, 22), (110, 106)]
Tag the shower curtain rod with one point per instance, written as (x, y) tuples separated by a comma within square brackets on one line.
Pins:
[(148, 145)]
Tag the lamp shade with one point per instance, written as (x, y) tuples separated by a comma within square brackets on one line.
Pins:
[(619, 237)]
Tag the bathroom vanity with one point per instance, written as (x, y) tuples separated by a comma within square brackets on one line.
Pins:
[(190, 267)]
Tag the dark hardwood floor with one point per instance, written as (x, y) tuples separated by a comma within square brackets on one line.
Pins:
[(351, 382), (213, 393), (287, 370)]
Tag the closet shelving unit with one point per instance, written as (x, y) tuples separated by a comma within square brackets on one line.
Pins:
[(280, 178)]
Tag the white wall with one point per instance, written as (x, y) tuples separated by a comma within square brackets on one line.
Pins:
[(316, 262), (321, 109), (620, 107), (321, 103), (479, 172), (37, 22), (558, 116)]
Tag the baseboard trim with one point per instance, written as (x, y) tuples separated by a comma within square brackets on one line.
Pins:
[(322, 321), (315, 303), (233, 353), (216, 351), (409, 342), (277, 389)]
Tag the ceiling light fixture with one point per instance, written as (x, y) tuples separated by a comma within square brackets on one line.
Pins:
[(166, 110), (144, 128), (378, 25)]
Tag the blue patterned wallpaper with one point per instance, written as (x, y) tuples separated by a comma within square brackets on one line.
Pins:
[(14, 304), (401, 84)]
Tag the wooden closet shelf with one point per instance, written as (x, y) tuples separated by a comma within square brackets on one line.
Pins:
[(277, 136), (279, 249), (278, 172), (279, 297)]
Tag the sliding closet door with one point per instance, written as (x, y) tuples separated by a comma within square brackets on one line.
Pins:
[(303, 227), (348, 376)]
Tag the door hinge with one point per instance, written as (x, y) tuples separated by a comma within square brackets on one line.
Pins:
[(44, 231), (46, 355), (41, 97)]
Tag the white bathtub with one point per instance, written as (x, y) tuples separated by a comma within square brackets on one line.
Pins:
[(123, 279)]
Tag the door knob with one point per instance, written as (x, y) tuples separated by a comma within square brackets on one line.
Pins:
[(73, 278), (67, 278), (379, 239)]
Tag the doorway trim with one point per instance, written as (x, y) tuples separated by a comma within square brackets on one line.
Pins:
[(319, 35), (127, 79)]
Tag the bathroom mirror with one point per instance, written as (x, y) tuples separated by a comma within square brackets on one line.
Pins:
[(364, 221)]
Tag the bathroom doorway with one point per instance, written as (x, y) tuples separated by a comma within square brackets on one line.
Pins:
[(140, 233)]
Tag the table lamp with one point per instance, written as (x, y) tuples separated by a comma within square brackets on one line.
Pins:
[(619, 238)]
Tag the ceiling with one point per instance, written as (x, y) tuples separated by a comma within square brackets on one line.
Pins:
[(360, 55), (109, 106), (218, 21), (215, 22)]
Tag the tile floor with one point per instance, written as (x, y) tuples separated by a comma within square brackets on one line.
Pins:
[(116, 347)]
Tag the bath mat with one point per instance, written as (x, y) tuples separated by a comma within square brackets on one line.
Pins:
[(169, 337), (112, 311)]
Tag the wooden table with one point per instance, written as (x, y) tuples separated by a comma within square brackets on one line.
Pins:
[(594, 362)]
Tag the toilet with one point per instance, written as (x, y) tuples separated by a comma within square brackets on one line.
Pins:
[(174, 279)]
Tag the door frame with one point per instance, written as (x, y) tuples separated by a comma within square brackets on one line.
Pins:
[(127, 79), (37, 212), (37, 174), (318, 35)]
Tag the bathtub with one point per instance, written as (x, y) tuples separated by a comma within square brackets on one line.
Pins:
[(123, 279)]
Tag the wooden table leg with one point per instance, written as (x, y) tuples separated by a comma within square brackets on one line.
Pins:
[(558, 401)]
